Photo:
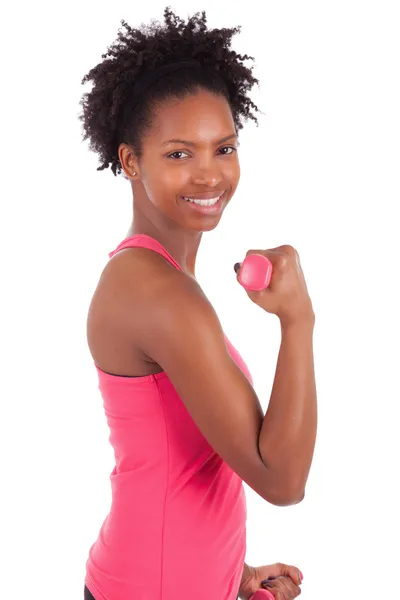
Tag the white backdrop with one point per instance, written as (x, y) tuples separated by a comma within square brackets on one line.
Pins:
[(321, 173)]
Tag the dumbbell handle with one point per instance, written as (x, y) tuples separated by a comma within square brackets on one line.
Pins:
[(255, 273)]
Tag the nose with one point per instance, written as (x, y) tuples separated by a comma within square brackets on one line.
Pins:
[(207, 173)]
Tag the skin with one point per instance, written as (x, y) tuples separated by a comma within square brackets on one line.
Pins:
[(161, 180)]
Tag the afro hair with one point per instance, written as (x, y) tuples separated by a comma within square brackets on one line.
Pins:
[(108, 118)]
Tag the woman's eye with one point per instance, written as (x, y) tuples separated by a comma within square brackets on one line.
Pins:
[(229, 148), (173, 154), (177, 152)]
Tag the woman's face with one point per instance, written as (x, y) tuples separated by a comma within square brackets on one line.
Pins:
[(204, 164)]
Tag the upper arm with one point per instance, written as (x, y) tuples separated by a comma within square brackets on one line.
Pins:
[(172, 321)]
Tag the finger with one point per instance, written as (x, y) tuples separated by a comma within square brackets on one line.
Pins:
[(288, 249), (293, 572), (289, 588), (283, 595), (284, 585)]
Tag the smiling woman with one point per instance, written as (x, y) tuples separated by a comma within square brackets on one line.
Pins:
[(196, 164), (165, 111)]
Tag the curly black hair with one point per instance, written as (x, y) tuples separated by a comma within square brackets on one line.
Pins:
[(107, 116)]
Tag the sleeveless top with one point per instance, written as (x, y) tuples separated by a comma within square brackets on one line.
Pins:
[(176, 527)]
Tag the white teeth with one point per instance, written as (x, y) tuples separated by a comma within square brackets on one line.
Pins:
[(210, 202)]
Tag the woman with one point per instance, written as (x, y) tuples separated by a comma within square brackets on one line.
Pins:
[(186, 425)]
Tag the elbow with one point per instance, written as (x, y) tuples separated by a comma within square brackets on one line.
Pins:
[(287, 498), (292, 499), (283, 487)]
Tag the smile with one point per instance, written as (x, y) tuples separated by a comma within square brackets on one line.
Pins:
[(206, 206)]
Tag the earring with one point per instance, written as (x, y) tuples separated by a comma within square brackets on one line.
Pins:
[(134, 173)]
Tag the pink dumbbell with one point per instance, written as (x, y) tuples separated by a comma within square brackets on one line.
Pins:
[(262, 595), (255, 273)]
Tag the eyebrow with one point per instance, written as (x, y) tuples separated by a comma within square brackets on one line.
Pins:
[(189, 143)]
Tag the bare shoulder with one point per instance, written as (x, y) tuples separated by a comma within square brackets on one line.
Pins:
[(135, 276), (176, 326), (139, 285), (117, 303)]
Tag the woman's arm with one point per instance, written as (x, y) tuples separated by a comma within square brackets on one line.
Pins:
[(289, 428)]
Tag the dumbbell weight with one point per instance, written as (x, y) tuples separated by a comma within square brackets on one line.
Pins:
[(262, 594), (255, 273)]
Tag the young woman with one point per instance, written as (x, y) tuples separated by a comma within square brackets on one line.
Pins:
[(185, 422)]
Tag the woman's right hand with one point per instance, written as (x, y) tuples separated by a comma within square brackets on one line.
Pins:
[(287, 295)]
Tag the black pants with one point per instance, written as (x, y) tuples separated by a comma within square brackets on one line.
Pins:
[(88, 595)]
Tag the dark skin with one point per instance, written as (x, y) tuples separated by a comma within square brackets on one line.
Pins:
[(158, 183), (161, 181)]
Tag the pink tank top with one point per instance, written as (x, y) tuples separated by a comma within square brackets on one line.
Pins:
[(176, 528)]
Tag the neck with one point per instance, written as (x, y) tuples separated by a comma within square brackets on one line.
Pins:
[(181, 245)]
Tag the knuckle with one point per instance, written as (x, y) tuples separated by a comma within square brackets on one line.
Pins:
[(254, 251), (283, 259), (288, 255), (290, 250)]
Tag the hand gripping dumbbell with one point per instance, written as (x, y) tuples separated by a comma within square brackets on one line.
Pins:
[(255, 273)]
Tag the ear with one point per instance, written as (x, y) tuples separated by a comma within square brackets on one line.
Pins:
[(128, 160)]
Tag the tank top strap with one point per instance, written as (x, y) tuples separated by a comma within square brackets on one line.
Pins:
[(142, 240)]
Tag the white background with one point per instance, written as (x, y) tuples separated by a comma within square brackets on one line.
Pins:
[(321, 173)]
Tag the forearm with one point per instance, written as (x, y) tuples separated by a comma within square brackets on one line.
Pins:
[(289, 427)]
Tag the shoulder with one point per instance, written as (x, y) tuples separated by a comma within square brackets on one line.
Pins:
[(137, 282), (136, 259)]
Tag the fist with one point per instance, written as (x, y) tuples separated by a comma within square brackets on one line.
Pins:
[(282, 588), (287, 295)]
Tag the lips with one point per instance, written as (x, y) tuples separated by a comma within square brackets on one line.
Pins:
[(211, 210), (205, 195)]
